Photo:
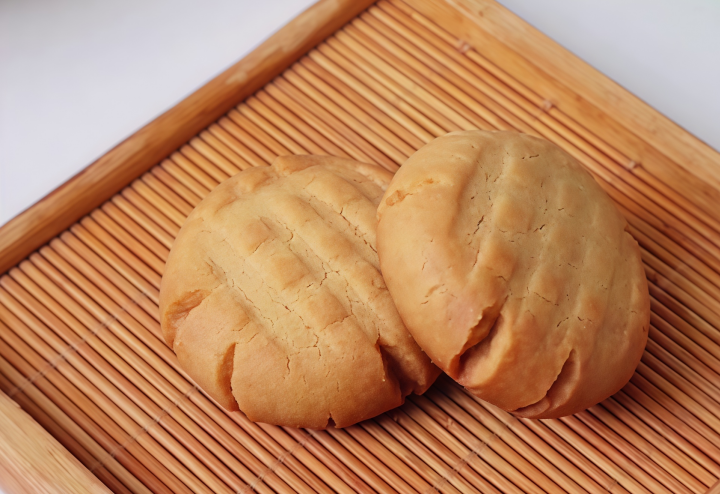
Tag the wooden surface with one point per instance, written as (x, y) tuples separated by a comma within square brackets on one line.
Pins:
[(580, 78), (80, 343), (715, 489), (32, 461), (99, 181), (645, 136)]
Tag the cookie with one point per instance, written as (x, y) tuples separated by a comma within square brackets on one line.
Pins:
[(273, 300), (514, 271)]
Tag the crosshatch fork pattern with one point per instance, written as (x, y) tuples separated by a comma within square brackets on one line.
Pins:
[(82, 352)]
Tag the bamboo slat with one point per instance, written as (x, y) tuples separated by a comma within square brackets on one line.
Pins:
[(24, 451), (80, 343)]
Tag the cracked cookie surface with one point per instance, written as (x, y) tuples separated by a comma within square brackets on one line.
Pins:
[(514, 271), (273, 300)]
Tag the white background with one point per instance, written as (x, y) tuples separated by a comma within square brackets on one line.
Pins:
[(79, 76)]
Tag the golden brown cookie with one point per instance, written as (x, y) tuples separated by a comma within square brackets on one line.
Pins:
[(274, 304), (514, 271)]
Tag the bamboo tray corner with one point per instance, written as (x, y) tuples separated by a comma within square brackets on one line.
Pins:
[(80, 345)]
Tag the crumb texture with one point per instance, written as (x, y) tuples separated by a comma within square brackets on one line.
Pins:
[(273, 300), (514, 271)]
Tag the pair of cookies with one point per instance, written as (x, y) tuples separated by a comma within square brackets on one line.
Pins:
[(505, 264)]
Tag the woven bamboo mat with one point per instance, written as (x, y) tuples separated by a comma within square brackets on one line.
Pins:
[(81, 349)]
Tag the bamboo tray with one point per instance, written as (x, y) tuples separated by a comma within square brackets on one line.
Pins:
[(80, 347)]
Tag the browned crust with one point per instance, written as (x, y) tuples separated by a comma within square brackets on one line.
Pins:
[(273, 300), (512, 269)]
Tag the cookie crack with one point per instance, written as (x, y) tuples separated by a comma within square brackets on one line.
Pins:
[(565, 378), (433, 289), (352, 296), (355, 228), (477, 228), (545, 299), (399, 195)]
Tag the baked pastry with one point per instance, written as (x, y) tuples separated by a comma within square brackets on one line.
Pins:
[(514, 271), (273, 300)]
